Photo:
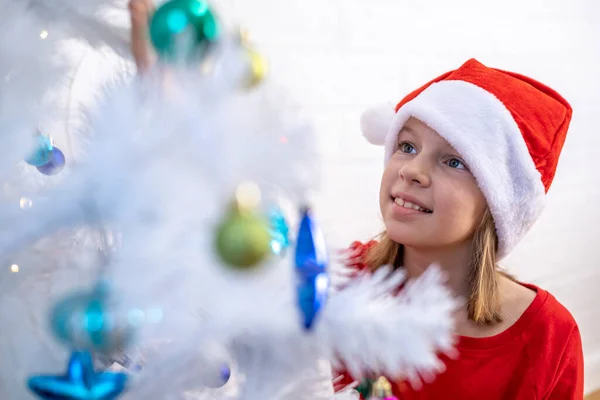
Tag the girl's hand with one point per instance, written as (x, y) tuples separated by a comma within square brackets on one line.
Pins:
[(140, 12)]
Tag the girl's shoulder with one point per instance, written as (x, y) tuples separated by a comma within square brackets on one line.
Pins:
[(551, 314)]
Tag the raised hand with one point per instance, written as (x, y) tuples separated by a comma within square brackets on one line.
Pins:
[(140, 12)]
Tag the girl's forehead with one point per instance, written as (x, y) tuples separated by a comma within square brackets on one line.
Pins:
[(413, 128)]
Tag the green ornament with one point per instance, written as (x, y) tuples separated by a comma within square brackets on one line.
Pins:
[(365, 387), (243, 238), (182, 30)]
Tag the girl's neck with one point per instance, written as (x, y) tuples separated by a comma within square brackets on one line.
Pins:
[(454, 261)]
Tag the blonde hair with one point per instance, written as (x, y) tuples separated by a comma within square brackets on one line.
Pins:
[(484, 298)]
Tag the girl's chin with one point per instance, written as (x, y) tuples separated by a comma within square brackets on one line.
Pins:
[(405, 237)]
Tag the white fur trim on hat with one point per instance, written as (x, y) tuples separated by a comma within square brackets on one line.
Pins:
[(483, 131), (375, 123)]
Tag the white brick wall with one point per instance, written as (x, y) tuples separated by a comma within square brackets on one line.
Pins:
[(339, 56)]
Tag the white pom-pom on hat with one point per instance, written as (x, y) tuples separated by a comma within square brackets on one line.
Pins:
[(376, 121)]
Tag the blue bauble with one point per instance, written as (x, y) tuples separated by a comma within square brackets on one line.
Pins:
[(88, 321), (42, 153), (55, 164), (225, 374)]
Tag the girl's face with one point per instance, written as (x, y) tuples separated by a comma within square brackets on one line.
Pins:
[(429, 199)]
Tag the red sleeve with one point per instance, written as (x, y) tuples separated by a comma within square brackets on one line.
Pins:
[(568, 382), (342, 380), (356, 253)]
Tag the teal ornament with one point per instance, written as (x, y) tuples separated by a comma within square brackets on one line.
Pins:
[(365, 387), (89, 321), (183, 30), (42, 152), (279, 231), (80, 382), (311, 270)]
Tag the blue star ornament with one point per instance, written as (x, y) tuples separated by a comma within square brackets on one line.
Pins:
[(312, 295), (81, 382), (311, 270), (311, 251)]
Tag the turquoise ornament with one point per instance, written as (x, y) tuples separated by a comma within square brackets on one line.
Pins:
[(88, 321), (279, 231), (183, 30), (42, 152)]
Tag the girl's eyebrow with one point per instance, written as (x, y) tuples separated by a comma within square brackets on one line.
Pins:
[(407, 129)]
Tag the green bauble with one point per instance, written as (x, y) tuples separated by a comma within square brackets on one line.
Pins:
[(243, 238), (365, 388), (183, 30)]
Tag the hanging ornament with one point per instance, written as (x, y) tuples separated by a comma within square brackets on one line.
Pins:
[(55, 164), (242, 238), (42, 152), (80, 382), (365, 388), (311, 269), (382, 390), (183, 30), (279, 231), (225, 374), (215, 378), (258, 67), (88, 321)]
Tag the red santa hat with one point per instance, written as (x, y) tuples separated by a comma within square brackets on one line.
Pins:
[(509, 128)]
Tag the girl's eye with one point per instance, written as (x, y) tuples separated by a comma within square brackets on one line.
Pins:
[(456, 163), (406, 147)]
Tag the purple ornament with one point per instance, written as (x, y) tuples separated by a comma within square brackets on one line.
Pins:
[(225, 373), (55, 164)]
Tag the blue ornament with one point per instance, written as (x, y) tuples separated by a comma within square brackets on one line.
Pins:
[(311, 269), (312, 295), (86, 320), (42, 153), (225, 374), (311, 251), (80, 382), (55, 164), (279, 231)]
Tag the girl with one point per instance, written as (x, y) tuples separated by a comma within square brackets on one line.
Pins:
[(469, 158)]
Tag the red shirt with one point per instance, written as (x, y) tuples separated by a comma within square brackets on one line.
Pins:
[(539, 357)]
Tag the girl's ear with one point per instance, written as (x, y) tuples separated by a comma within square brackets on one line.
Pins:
[(376, 121)]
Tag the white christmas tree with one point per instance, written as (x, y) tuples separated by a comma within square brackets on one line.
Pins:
[(180, 242)]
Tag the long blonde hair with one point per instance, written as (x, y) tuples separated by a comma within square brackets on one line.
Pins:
[(484, 298)]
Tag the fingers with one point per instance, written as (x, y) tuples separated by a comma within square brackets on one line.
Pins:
[(140, 12)]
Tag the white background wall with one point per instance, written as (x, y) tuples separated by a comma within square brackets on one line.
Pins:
[(340, 56)]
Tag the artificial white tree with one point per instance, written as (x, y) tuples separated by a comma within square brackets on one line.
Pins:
[(161, 160)]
